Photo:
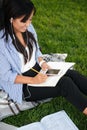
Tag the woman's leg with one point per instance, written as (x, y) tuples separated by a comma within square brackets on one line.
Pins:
[(39, 93), (65, 87), (72, 93), (78, 79)]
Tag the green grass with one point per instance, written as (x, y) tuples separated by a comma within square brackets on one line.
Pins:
[(61, 26)]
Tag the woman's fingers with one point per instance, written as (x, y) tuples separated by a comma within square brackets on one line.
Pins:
[(40, 78)]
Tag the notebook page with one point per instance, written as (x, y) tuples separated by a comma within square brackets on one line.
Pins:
[(58, 121), (32, 126)]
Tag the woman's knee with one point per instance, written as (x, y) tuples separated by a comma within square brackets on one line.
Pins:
[(65, 81), (66, 85)]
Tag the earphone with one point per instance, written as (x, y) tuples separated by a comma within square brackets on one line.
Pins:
[(11, 20)]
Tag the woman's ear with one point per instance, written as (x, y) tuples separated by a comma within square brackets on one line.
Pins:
[(11, 20)]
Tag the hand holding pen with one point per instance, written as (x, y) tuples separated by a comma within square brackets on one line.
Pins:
[(39, 78)]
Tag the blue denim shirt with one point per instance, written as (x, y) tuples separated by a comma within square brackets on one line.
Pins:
[(10, 67)]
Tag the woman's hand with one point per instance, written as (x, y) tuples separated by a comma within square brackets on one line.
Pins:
[(45, 66), (39, 78)]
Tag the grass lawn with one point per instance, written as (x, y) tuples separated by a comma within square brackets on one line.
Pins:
[(61, 26)]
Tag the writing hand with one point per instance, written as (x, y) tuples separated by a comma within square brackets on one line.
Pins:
[(39, 78)]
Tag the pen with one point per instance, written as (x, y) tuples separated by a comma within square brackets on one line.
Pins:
[(35, 70)]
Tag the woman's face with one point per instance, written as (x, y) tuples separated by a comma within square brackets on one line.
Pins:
[(20, 26)]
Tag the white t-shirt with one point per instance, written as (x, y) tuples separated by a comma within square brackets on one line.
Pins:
[(30, 63)]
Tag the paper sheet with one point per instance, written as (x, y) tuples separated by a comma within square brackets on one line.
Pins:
[(52, 80)]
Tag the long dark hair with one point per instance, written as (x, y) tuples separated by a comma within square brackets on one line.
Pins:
[(1, 15), (15, 9)]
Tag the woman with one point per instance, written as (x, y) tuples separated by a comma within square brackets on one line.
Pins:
[(19, 52)]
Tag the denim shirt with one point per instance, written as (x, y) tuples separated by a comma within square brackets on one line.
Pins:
[(10, 67)]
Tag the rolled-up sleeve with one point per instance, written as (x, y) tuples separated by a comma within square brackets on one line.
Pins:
[(38, 53)]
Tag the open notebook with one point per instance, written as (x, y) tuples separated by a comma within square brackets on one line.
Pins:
[(52, 80), (56, 121)]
